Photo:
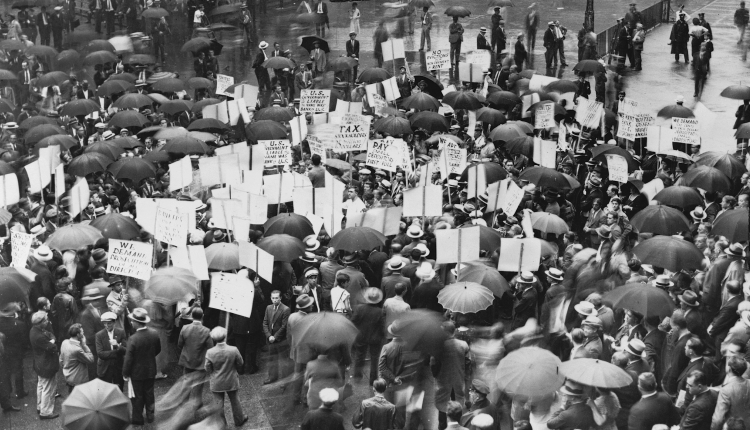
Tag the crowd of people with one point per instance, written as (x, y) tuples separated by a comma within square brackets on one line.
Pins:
[(647, 277)]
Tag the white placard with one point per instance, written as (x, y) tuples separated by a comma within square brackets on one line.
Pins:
[(223, 211), (39, 177), (218, 111), (130, 258), (457, 245), (588, 113), (171, 227), (20, 244), (146, 210), (470, 72), (317, 147), (391, 90), (9, 191), (232, 293), (193, 258), (545, 152), (480, 57), (59, 181), (384, 153), (658, 139), (222, 83), (79, 196), (222, 169), (544, 115), (423, 201), (298, 125), (350, 132), (437, 59), (627, 106), (256, 260), (452, 159), (378, 103), (642, 122), (686, 130), (248, 93), (349, 107), (519, 255), (393, 49), (315, 101), (626, 126), (278, 188), (278, 152), (617, 166), (538, 83), (180, 174)]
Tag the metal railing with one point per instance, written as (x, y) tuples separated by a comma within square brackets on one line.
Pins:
[(651, 17)]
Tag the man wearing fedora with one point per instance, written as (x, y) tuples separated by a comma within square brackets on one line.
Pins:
[(357, 281), (694, 350), (727, 267), (636, 364), (525, 303), (44, 285), (575, 413), (139, 366), (110, 345), (690, 305), (592, 343), (117, 300), (480, 404), (451, 370), (298, 352), (90, 319), (368, 318)]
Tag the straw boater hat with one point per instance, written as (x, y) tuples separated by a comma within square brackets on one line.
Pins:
[(423, 249), (425, 271), (555, 273), (585, 308), (635, 347), (526, 278), (414, 232), (663, 281), (311, 271), (698, 214), (43, 253), (396, 263), (572, 388), (592, 320), (139, 315)]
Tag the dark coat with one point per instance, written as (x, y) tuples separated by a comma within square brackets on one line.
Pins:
[(242, 326), (275, 323), (674, 363), (140, 356), (699, 412), (15, 335), (577, 416), (639, 366), (726, 318), (108, 358), (369, 321), (484, 407), (91, 321), (549, 39), (194, 341), (628, 396), (655, 409), (352, 48), (426, 296), (322, 419), (46, 362), (654, 341)]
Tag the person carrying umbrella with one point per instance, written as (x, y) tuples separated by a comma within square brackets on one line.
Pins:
[(575, 412)]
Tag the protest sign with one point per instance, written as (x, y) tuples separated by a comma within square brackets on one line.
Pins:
[(437, 59), (423, 201), (348, 107), (256, 260), (722, 138), (544, 115), (391, 90), (480, 57), (9, 193), (588, 113), (315, 101), (384, 153), (278, 152), (504, 195), (384, 220), (180, 174), (350, 132), (618, 168), (393, 49), (457, 245), (39, 176), (49, 157), (658, 139), (248, 93), (79, 196), (20, 245), (545, 152), (519, 255), (222, 83), (476, 181), (627, 106), (298, 124), (626, 127), (317, 147), (452, 158), (193, 258), (652, 188), (223, 169), (240, 148), (278, 188), (146, 211), (642, 123), (324, 202), (223, 210), (686, 130), (538, 82), (232, 293), (59, 181), (218, 111), (171, 227), (130, 258), (470, 72)]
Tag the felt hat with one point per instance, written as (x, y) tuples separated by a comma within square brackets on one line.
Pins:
[(592, 320), (373, 295), (734, 249), (689, 298), (480, 386), (139, 315), (304, 301)]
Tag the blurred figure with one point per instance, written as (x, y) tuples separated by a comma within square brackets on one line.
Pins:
[(139, 367), (223, 363), (451, 370), (75, 357), (46, 365), (531, 23), (194, 341), (368, 318), (741, 18), (376, 413), (324, 418)]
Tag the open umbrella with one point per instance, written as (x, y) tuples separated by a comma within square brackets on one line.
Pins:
[(520, 145), (465, 297), (357, 238), (210, 125), (493, 172), (113, 87), (128, 118), (675, 111), (595, 373), (133, 101), (670, 253), (154, 13), (283, 247), (226, 9), (6, 106), (41, 51), (642, 298), (459, 11), (7, 75), (223, 256), (12, 45), (487, 276), (169, 85), (134, 169), (529, 372), (96, 405), (68, 59), (732, 225), (52, 78), (736, 92), (548, 223), (62, 140), (73, 236), (562, 86), (274, 113), (743, 132), (99, 57), (549, 178), (169, 285), (196, 44), (491, 117), (89, 162), (489, 238), (420, 331), (264, 130), (40, 132), (324, 330), (105, 148), (588, 66), (33, 121), (679, 196), (173, 107), (198, 106), (726, 163), (429, 85), (278, 63), (660, 219), (14, 287), (337, 164), (186, 145), (100, 45), (374, 75), (462, 100), (430, 121), (421, 101), (197, 83), (288, 223), (600, 152), (143, 59), (506, 132), (707, 178), (157, 156), (393, 126), (308, 42), (116, 226), (81, 107), (339, 64)]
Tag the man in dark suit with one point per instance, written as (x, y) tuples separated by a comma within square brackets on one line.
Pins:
[(719, 272), (322, 10), (576, 413), (674, 360), (368, 318), (42, 23), (727, 317), (194, 341), (274, 327), (46, 364), (85, 92), (550, 44), (110, 349), (90, 319), (699, 412), (653, 408), (404, 83), (627, 395), (140, 365), (261, 73), (247, 333), (57, 25), (324, 417), (634, 349), (694, 351), (525, 303), (654, 341), (482, 42), (352, 50)]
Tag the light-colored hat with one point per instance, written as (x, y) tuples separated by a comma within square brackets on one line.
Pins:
[(698, 213), (414, 232), (108, 135), (585, 308), (483, 29), (329, 395), (43, 253), (10, 126), (572, 388), (38, 316), (425, 271), (139, 315), (108, 316), (526, 278), (679, 99), (555, 273), (396, 263), (303, 301), (37, 230), (311, 271), (663, 281), (100, 125), (423, 249), (263, 45), (482, 421), (311, 243), (373, 295), (592, 320), (635, 347)]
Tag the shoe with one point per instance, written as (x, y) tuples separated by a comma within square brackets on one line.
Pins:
[(421, 49), (695, 95), (12, 409), (160, 376), (564, 65), (244, 420), (137, 423), (21, 395), (150, 419), (48, 417), (638, 69), (269, 381)]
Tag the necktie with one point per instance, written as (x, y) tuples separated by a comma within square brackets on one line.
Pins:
[(44, 18)]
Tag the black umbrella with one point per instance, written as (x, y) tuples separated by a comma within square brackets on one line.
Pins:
[(421, 331), (679, 196), (308, 43), (374, 75), (288, 223), (459, 11), (641, 298), (676, 111), (660, 219), (430, 121), (462, 100), (588, 66), (429, 85), (357, 238), (736, 92), (89, 162)]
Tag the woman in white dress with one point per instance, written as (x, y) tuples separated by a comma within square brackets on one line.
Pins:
[(354, 16)]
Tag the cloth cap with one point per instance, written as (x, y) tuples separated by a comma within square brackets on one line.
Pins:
[(108, 316), (480, 386), (329, 395)]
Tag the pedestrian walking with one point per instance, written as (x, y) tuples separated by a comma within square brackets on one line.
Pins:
[(194, 340), (531, 23), (455, 37), (46, 364), (223, 365), (741, 18), (550, 45), (354, 16), (700, 71), (639, 37), (324, 418), (560, 35), (376, 413), (139, 366)]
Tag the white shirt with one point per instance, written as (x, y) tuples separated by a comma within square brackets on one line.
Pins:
[(198, 15), (354, 206), (320, 7)]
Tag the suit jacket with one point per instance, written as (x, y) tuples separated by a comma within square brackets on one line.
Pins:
[(482, 42), (352, 48), (90, 93), (275, 323), (376, 413), (223, 363), (40, 22), (426, 21), (549, 39), (451, 370), (140, 356), (699, 412), (708, 369), (638, 366), (576, 416), (655, 409), (368, 319), (426, 296), (108, 358), (194, 340), (628, 396), (733, 401), (525, 307), (674, 363), (242, 326), (654, 341), (322, 418), (91, 321), (726, 318), (319, 60), (46, 361)]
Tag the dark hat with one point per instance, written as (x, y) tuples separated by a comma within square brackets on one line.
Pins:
[(689, 298), (349, 259), (480, 386), (116, 279), (304, 301)]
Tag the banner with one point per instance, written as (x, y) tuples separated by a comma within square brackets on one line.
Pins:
[(480, 57), (438, 59), (315, 101), (351, 132), (232, 293), (348, 107), (423, 201), (278, 152), (659, 139), (9, 191), (20, 244), (686, 130), (171, 227), (130, 258), (222, 83), (384, 153), (146, 211), (588, 113), (626, 127), (617, 166), (544, 115), (256, 260)]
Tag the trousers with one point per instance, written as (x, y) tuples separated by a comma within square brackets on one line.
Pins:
[(234, 400), (144, 397), (46, 389)]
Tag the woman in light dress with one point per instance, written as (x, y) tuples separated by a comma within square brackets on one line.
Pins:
[(354, 16)]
